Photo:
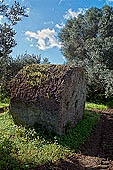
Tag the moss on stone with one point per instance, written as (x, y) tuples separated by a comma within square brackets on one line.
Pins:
[(47, 94), (38, 81), (40, 74)]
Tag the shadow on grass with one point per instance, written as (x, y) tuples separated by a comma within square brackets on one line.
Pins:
[(74, 137), (10, 162), (7, 160)]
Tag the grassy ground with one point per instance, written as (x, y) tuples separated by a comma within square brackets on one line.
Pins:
[(22, 148), (95, 106), (3, 105), (4, 102)]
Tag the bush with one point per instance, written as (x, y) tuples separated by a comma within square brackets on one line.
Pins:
[(4, 96)]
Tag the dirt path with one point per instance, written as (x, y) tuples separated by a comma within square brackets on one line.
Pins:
[(97, 152)]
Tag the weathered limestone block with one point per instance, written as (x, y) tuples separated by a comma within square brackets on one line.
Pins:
[(50, 95)]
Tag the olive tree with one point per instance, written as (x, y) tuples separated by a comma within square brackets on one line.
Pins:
[(88, 41), (12, 15)]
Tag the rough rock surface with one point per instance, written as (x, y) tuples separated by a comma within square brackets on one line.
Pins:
[(50, 95)]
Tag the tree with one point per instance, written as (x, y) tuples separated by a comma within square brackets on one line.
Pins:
[(12, 15), (45, 61), (88, 41), (22, 60)]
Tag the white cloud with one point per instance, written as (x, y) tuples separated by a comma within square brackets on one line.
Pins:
[(71, 14), (60, 26), (45, 38)]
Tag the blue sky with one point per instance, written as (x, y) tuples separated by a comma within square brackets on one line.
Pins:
[(38, 34)]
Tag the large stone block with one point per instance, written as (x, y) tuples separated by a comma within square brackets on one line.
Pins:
[(50, 95)]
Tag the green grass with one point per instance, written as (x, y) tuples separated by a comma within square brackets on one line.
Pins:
[(95, 106), (78, 135), (4, 101), (22, 148), (3, 105)]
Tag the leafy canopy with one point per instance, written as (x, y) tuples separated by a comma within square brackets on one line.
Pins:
[(11, 14), (88, 41)]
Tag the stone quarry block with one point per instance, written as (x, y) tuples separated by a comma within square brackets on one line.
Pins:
[(50, 95)]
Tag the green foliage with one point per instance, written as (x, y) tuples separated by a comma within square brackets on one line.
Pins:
[(23, 148), (4, 105), (12, 15), (9, 66), (87, 41), (109, 103), (22, 60), (4, 97), (45, 61), (26, 59)]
